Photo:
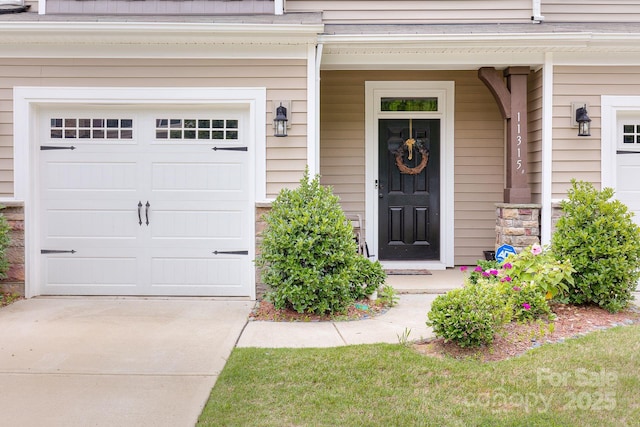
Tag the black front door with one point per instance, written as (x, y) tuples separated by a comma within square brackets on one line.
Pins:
[(408, 189)]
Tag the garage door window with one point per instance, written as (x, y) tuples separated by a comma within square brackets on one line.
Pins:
[(631, 134), (74, 128), (203, 129)]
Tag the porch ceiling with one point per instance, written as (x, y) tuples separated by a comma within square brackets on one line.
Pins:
[(475, 46)]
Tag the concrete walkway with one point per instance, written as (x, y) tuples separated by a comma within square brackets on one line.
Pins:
[(407, 320), (113, 362)]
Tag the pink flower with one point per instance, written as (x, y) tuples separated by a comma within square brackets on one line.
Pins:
[(463, 268), (526, 306), (507, 266), (485, 274), (493, 272), (506, 279), (517, 288), (478, 269), (536, 249)]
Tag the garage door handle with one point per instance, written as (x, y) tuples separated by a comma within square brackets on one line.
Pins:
[(139, 213), (146, 211)]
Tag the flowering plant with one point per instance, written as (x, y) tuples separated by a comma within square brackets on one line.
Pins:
[(527, 302), (485, 271), (539, 267), (526, 280)]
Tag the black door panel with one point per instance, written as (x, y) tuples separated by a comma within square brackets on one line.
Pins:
[(409, 203)]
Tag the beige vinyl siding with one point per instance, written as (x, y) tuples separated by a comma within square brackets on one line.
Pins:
[(415, 11), (590, 10), (479, 149), (284, 80), (534, 127), (574, 156), (161, 7)]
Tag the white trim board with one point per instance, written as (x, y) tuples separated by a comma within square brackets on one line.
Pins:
[(611, 108), (445, 91), (547, 149), (27, 100)]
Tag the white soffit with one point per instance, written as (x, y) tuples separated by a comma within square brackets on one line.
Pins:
[(154, 39), (469, 51)]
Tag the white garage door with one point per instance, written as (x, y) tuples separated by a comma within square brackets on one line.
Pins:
[(145, 202), (628, 166)]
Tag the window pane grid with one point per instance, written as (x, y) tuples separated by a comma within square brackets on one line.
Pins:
[(86, 128), (631, 134), (197, 129)]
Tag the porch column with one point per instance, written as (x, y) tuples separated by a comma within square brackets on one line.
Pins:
[(512, 101), (517, 189)]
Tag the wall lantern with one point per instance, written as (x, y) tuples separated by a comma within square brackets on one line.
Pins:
[(584, 122), (280, 121)]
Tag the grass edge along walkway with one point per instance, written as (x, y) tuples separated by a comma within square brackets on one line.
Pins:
[(588, 381)]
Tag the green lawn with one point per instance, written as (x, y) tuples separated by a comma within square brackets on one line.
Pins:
[(589, 381)]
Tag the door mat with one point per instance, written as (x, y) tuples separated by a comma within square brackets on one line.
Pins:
[(408, 272)]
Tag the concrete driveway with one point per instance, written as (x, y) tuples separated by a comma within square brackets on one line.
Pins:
[(113, 361)]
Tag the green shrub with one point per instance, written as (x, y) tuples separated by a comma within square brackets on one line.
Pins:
[(600, 238), (308, 254), (469, 316), (5, 240), (367, 277), (388, 296)]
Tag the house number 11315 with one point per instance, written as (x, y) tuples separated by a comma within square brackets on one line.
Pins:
[(518, 145)]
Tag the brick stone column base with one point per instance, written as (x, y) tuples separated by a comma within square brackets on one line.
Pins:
[(517, 225), (14, 282)]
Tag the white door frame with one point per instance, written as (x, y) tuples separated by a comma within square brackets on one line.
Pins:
[(611, 108), (27, 100), (445, 91)]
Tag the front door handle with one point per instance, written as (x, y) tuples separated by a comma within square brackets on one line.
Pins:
[(139, 212), (146, 211)]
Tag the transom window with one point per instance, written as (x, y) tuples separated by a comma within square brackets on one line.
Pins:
[(202, 129), (409, 104), (76, 128)]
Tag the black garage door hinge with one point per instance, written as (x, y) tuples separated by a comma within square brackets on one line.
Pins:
[(230, 148), (230, 252), (56, 251)]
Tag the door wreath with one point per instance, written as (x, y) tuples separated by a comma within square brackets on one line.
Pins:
[(407, 148)]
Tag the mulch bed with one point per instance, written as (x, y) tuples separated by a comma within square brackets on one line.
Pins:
[(264, 310), (572, 321)]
